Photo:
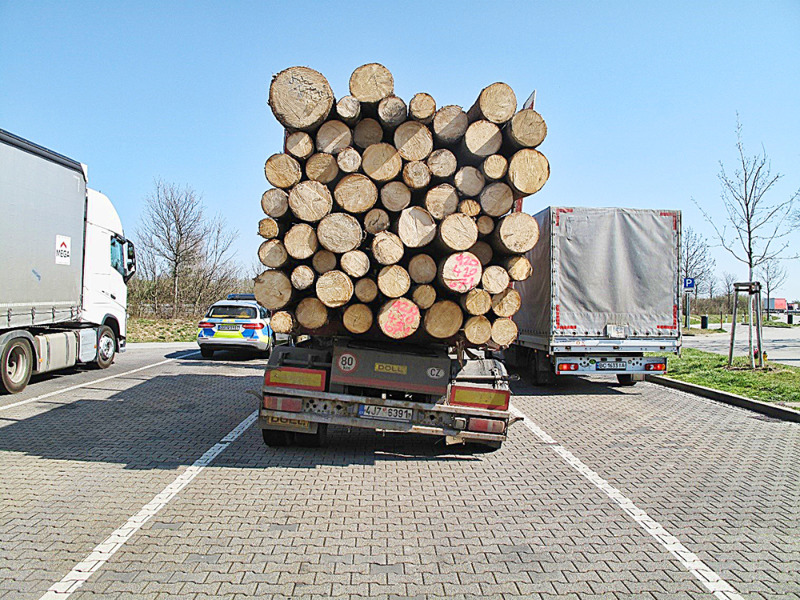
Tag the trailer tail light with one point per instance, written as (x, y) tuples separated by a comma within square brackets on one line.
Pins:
[(479, 397), (486, 426), (283, 404), (253, 326), (568, 366), (298, 379), (205, 325), (655, 367)]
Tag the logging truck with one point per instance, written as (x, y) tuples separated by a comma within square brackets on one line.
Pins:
[(65, 264), (603, 293)]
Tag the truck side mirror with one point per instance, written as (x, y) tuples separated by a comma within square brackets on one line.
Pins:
[(130, 267)]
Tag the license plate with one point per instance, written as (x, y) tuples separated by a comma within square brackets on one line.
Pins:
[(611, 366), (225, 327), (386, 413)]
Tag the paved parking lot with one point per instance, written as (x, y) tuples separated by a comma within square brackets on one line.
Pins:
[(150, 481)]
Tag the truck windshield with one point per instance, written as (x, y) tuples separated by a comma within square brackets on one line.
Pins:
[(232, 312), (117, 256)]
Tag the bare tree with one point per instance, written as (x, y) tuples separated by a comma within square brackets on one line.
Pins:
[(214, 275), (696, 261), (728, 279), (773, 275), (758, 226)]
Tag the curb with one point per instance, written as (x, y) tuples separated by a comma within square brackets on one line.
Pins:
[(765, 408)]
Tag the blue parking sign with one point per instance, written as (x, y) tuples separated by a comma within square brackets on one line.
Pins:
[(688, 283)]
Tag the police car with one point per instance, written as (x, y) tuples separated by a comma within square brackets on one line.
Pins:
[(236, 323)]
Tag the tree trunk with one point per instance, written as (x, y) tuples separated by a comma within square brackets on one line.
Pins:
[(357, 318), (302, 277), (339, 233), (272, 254), (272, 289), (422, 108), (481, 139), (393, 281), (349, 160), (460, 272), (355, 263), (469, 181), (301, 241), (494, 167), (366, 290), (526, 129), (323, 261), (478, 330), (300, 98), (528, 171), (381, 162), (457, 232), (367, 133), (356, 193), (391, 112), (515, 233), (310, 201), (376, 220), (476, 302), (371, 83), (413, 140), (441, 201), (471, 208), (311, 313), (504, 332), (268, 228), (334, 289), (300, 145), (333, 137), (416, 227), (497, 199), (422, 269), (496, 103), (485, 225), (399, 318), (442, 163), (449, 125), (275, 203), (506, 303), (416, 175), (519, 267), (282, 171), (495, 279), (483, 251), (387, 248), (282, 322), (348, 109), (424, 296), (443, 319), (395, 196), (322, 167)]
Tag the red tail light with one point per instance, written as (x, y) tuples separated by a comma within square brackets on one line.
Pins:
[(655, 367), (205, 325), (253, 326), (283, 404), (486, 425), (568, 367)]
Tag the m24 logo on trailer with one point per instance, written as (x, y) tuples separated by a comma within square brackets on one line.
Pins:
[(63, 249)]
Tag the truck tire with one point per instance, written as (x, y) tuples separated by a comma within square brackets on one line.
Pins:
[(274, 437), (626, 379), (16, 365), (313, 440), (106, 347), (206, 352)]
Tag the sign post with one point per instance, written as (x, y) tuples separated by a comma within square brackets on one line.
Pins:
[(688, 288)]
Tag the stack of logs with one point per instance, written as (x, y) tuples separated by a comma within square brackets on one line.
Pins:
[(397, 220)]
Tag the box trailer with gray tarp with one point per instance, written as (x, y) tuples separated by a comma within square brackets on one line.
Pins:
[(604, 292)]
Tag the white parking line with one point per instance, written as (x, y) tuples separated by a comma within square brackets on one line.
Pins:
[(81, 385), (703, 573), (81, 572)]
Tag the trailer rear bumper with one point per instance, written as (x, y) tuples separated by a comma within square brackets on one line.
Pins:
[(601, 364)]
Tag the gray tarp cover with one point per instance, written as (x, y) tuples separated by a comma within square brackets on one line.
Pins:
[(594, 267)]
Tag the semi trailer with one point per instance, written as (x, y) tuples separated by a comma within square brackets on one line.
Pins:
[(64, 266)]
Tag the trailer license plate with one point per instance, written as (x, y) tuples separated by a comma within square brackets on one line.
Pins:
[(224, 327), (611, 366), (386, 413)]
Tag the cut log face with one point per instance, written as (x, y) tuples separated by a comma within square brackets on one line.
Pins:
[(485, 225), (322, 167), (471, 208), (366, 290), (395, 196), (450, 124), (310, 201), (349, 160), (422, 108), (442, 163), (416, 227), (381, 162), (282, 322), (424, 296), (348, 109), (272, 254), (527, 129), (422, 269), (416, 175), (528, 171), (496, 103), (282, 171), (275, 203), (367, 133), (519, 267), (323, 261), (393, 281), (482, 139), (301, 241), (413, 140), (356, 193), (495, 279), (399, 318), (303, 277), (478, 330), (441, 201), (371, 83), (355, 263), (506, 303), (334, 289), (300, 145), (272, 289), (458, 232), (516, 233), (469, 181), (476, 302), (300, 98), (311, 313), (387, 248), (483, 251), (497, 199), (443, 319), (333, 137), (494, 167), (268, 228), (504, 332), (460, 272), (376, 220), (357, 318), (392, 111), (339, 233)]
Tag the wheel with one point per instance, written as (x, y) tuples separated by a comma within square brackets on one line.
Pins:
[(206, 352), (313, 440), (626, 379), (273, 437), (106, 347), (17, 365)]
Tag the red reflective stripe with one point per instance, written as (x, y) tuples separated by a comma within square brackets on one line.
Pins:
[(283, 404), (558, 320)]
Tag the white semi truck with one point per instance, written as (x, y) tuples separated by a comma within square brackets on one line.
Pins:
[(64, 266)]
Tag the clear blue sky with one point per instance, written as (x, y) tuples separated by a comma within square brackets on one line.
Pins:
[(640, 97)]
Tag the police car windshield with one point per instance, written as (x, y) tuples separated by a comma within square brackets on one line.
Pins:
[(232, 312)]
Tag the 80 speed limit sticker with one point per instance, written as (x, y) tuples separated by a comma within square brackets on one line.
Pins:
[(347, 362)]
